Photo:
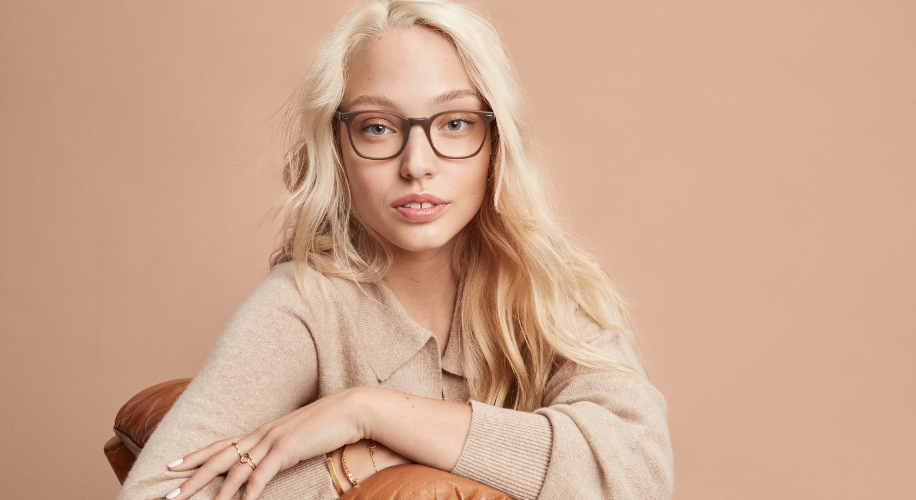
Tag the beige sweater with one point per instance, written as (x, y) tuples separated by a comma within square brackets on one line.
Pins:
[(599, 434)]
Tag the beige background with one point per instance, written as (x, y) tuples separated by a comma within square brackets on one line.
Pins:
[(745, 170)]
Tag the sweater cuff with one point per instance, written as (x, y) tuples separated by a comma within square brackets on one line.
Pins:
[(507, 450), (308, 478)]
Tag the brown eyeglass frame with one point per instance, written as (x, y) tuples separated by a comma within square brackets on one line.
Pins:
[(486, 116)]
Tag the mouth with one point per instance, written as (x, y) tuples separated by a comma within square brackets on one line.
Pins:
[(419, 207)]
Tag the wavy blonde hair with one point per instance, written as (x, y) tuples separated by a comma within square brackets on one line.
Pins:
[(526, 284)]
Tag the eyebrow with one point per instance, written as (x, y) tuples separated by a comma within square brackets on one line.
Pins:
[(455, 95), (377, 100)]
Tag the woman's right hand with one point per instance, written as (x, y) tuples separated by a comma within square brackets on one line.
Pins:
[(326, 424)]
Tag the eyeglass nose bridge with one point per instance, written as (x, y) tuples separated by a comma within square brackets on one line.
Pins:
[(425, 123)]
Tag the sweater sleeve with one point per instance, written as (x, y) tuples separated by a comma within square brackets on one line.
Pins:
[(264, 366), (600, 434)]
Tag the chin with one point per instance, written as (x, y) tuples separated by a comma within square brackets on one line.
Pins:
[(422, 242), (423, 247)]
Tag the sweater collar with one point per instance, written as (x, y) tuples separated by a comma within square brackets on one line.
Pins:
[(451, 360), (390, 350)]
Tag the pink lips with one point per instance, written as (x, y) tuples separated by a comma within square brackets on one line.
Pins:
[(419, 207)]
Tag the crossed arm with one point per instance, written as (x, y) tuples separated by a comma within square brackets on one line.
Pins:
[(422, 430)]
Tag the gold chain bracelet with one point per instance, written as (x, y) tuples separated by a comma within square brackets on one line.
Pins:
[(343, 462)]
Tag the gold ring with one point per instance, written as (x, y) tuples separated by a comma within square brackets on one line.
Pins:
[(237, 450), (246, 459)]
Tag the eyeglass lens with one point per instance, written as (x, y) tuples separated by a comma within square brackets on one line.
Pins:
[(377, 134)]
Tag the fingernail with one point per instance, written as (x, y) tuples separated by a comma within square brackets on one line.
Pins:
[(175, 463), (173, 494)]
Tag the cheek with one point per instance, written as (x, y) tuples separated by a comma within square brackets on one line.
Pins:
[(356, 173), (480, 177), (361, 192)]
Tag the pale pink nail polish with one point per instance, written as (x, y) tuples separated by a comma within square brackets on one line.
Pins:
[(173, 494), (175, 463)]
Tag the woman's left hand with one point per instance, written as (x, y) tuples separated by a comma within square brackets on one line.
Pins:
[(315, 429)]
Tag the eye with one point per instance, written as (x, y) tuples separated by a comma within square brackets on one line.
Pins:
[(456, 125), (377, 129)]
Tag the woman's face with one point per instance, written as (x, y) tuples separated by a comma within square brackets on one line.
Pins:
[(417, 201)]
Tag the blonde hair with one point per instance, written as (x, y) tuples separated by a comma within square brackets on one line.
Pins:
[(525, 284)]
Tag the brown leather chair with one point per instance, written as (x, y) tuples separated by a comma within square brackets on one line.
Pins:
[(137, 420), (139, 417)]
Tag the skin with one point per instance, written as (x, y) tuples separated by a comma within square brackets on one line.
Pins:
[(415, 73)]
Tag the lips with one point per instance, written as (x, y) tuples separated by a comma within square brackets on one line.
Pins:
[(419, 207)]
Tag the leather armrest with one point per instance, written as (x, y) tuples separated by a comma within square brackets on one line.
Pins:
[(140, 416), (120, 457), (414, 481), (137, 420)]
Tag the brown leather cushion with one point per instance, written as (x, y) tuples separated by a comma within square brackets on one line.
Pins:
[(139, 417), (405, 482), (120, 457), (136, 422)]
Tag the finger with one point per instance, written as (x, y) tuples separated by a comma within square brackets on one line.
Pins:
[(267, 469), (236, 477), (240, 472), (256, 456), (216, 465), (194, 460)]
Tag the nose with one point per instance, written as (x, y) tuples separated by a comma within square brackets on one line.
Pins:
[(418, 159)]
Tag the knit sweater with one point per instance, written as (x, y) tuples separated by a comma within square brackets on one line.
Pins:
[(599, 433)]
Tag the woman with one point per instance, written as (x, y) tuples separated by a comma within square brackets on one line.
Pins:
[(424, 305)]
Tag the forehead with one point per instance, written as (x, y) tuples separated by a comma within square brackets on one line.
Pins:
[(408, 68)]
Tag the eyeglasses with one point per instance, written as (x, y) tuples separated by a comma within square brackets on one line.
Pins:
[(380, 135)]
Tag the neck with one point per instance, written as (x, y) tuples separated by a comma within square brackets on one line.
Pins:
[(426, 286)]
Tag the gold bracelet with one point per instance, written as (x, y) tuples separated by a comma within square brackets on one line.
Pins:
[(333, 474), (372, 444), (343, 462)]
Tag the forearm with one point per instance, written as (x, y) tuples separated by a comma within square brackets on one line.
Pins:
[(427, 431)]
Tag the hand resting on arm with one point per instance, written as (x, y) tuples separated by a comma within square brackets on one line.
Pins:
[(427, 431)]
